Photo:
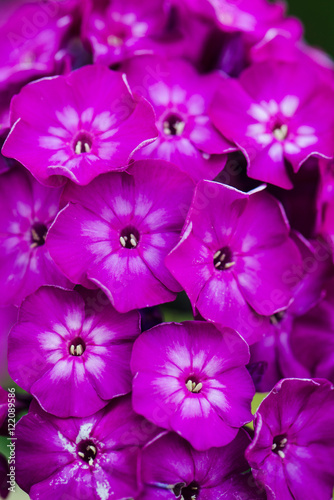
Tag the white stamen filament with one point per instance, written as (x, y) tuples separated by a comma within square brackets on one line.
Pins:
[(79, 350), (76, 350), (178, 127), (229, 264), (193, 387), (167, 130), (133, 240), (78, 147), (221, 257), (281, 133), (115, 41)]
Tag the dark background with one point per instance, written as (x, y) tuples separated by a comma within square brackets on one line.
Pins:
[(318, 19)]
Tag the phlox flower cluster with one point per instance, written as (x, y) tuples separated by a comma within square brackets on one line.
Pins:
[(166, 251)]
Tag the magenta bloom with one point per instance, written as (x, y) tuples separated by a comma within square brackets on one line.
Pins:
[(312, 338), (293, 448), (225, 257), (253, 18), (171, 469), (277, 113), (30, 40), (117, 231), (181, 98), (78, 126), (27, 211), (191, 378), (275, 351), (94, 457), (73, 363), (119, 29)]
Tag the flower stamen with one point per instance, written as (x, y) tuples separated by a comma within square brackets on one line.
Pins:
[(194, 386), (279, 445), (281, 132), (38, 235), (129, 238), (222, 259), (77, 347), (87, 451)]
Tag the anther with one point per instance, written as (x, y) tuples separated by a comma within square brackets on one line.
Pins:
[(129, 237), (281, 133), (77, 347), (222, 259), (173, 125), (193, 386), (115, 41)]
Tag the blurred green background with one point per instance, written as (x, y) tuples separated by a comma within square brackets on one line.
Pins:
[(318, 18)]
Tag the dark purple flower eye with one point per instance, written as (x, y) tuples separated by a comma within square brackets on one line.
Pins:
[(38, 234), (190, 492), (223, 259), (87, 451), (77, 347), (83, 143), (129, 237), (279, 444), (173, 124)]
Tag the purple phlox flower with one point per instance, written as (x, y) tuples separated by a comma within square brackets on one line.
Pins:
[(119, 29), (181, 98), (284, 43), (117, 231), (71, 362), (191, 378), (31, 36), (274, 351), (252, 18), (27, 211), (278, 114), (312, 338), (94, 457), (224, 259), (78, 126), (281, 42), (8, 316), (302, 216), (171, 469), (292, 451)]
